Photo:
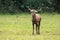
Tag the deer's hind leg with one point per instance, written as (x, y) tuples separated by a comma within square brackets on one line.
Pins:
[(38, 27)]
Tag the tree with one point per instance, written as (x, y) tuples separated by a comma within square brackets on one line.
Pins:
[(21, 5)]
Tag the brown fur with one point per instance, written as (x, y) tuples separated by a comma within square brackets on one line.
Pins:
[(36, 19)]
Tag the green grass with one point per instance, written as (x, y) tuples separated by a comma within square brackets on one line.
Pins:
[(19, 27)]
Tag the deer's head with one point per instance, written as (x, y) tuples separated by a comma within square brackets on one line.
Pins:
[(33, 10)]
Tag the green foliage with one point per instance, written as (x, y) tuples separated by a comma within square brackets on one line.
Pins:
[(12, 6)]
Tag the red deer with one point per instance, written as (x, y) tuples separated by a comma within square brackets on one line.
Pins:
[(36, 19)]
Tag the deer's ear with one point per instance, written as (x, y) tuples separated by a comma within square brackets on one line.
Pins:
[(35, 11), (30, 10)]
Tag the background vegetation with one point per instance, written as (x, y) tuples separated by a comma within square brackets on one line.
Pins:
[(13, 6)]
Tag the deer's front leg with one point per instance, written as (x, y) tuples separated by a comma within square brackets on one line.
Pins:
[(38, 28), (33, 28)]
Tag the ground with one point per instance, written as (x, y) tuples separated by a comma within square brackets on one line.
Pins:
[(19, 27)]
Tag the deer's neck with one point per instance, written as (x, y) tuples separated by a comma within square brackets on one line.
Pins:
[(34, 17)]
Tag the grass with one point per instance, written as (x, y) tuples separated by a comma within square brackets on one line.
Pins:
[(18, 27)]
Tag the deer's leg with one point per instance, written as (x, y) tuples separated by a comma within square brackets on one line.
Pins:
[(39, 28), (36, 29), (33, 28)]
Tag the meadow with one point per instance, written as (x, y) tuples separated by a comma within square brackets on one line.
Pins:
[(19, 27)]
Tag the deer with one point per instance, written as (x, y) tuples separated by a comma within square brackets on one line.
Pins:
[(36, 20)]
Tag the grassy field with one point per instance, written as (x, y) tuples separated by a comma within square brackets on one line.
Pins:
[(19, 27)]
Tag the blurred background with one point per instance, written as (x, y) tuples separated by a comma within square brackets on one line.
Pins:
[(15, 6)]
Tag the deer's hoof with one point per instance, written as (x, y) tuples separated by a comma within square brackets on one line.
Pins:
[(38, 33), (32, 33)]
